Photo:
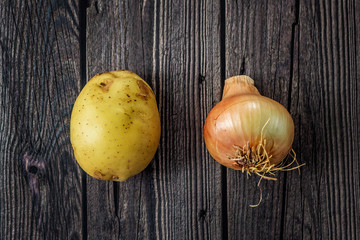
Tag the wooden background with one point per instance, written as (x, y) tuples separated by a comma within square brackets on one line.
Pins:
[(303, 53)]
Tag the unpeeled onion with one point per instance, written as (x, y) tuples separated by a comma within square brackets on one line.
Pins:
[(247, 131)]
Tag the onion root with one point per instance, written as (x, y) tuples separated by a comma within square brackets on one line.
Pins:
[(255, 159)]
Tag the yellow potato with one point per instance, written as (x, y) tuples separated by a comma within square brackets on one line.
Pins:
[(115, 126)]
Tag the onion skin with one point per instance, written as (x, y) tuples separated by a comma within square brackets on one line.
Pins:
[(245, 118)]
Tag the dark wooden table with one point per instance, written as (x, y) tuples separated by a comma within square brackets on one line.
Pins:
[(303, 53)]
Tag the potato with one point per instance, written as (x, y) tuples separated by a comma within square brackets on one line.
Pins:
[(115, 126)]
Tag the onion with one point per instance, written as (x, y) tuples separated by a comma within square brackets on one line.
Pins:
[(249, 132)]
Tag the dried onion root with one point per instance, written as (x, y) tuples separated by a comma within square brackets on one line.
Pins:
[(256, 160)]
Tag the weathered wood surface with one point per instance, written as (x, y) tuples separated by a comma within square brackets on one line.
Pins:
[(323, 203), (175, 48), (258, 44), (304, 54), (40, 184)]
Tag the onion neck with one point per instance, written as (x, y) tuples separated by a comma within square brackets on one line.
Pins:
[(239, 85)]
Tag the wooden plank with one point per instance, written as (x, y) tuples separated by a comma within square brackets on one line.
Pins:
[(188, 181), (175, 48), (103, 53), (40, 184), (258, 44), (323, 202)]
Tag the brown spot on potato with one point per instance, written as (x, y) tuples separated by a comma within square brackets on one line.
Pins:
[(144, 90), (98, 174), (115, 177), (105, 84)]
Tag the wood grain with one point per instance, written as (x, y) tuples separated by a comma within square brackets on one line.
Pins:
[(40, 188), (120, 36), (303, 53), (258, 44), (188, 182), (324, 202), (175, 48)]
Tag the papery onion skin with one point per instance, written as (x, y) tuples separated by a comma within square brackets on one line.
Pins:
[(244, 118)]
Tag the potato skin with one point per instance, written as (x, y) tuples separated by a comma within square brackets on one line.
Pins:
[(115, 126)]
